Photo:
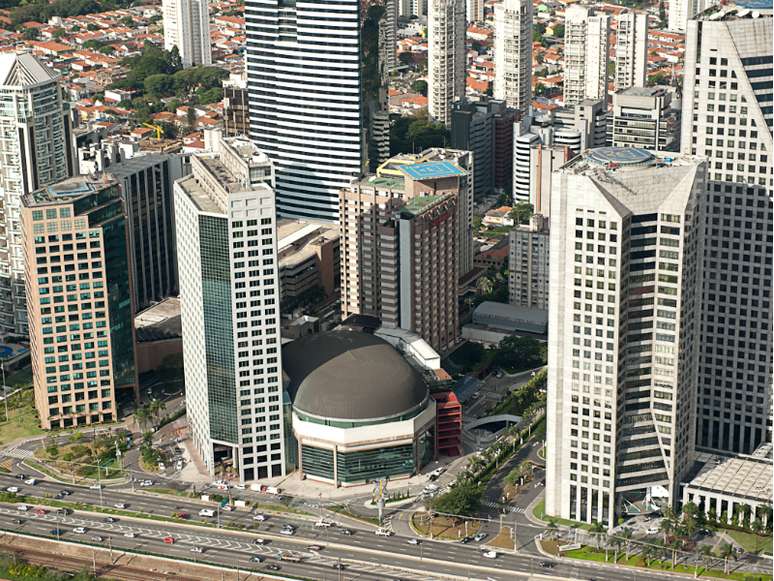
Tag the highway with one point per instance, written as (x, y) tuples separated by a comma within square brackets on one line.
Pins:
[(363, 554)]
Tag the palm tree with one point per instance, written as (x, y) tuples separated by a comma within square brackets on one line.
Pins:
[(617, 542), (596, 529), (726, 552), (706, 554), (626, 535), (142, 417), (666, 526)]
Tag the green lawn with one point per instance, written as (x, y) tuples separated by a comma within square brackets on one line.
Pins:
[(750, 542), (22, 418), (540, 513), (19, 378)]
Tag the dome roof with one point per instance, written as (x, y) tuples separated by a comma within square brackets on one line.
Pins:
[(350, 375)]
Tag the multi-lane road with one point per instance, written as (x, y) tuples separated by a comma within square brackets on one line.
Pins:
[(362, 554)]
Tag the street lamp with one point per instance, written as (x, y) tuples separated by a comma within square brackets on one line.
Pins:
[(5, 393)]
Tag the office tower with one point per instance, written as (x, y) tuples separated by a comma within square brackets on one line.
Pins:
[(588, 117), (522, 148), (305, 90), (681, 11), (36, 150), (644, 117), (447, 57), (585, 55), (727, 104), (146, 187), (474, 10), (528, 264), (187, 26), (79, 301), (513, 54), (399, 255), (533, 167), (631, 50), (379, 30), (229, 294), (623, 309), (486, 129), (236, 111)]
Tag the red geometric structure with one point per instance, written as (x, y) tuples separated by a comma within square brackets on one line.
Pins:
[(448, 423)]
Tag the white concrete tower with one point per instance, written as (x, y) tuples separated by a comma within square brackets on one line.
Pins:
[(585, 55), (474, 10), (631, 50), (36, 149), (447, 60), (513, 53), (187, 26), (623, 308)]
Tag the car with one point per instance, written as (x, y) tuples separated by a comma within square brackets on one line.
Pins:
[(433, 478), (59, 496), (465, 540), (240, 486), (31, 481), (546, 564), (197, 550), (40, 512), (12, 489), (79, 530), (96, 538), (256, 559), (347, 532), (489, 554), (169, 540), (181, 515), (130, 535), (56, 532), (21, 476), (314, 548), (22, 507), (18, 521), (120, 505), (228, 508), (413, 541), (64, 511), (476, 394), (259, 517), (273, 567), (288, 531), (652, 530), (162, 467), (337, 565), (259, 541), (65, 492), (146, 483), (208, 512), (478, 537), (322, 524), (95, 487), (380, 532)]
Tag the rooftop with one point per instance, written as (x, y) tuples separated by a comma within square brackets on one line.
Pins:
[(67, 191), (161, 321), (738, 10), (742, 476), (431, 170), (134, 164), (23, 70), (383, 182), (419, 204)]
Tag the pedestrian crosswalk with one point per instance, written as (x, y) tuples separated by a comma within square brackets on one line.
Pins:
[(500, 506), (17, 452)]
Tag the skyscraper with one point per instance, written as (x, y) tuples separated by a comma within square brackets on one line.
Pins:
[(513, 53), (528, 272), (644, 117), (36, 149), (229, 293), (305, 90), (474, 10), (79, 297), (727, 105), (447, 57), (623, 308), (631, 50), (187, 26), (585, 55), (681, 11)]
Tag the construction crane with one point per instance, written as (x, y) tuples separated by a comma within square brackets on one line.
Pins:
[(159, 130)]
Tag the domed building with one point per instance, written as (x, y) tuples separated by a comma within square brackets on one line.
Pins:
[(360, 410)]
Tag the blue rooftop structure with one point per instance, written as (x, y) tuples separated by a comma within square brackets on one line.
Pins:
[(755, 4), (431, 170)]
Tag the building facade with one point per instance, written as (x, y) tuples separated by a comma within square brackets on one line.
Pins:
[(631, 50), (305, 91), (513, 54), (644, 117), (447, 57), (236, 110), (76, 242), (36, 150), (728, 117), (681, 11), (623, 311), (187, 26), (528, 264), (229, 294), (585, 55), (146, 187)]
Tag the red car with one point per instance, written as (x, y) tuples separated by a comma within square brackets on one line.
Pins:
[(169, 540), (39, 511)]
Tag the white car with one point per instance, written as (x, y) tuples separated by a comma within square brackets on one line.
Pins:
[(145, 483), (259, 517), (31, 481), (12, 489), (652, 530), (288, 531), (79, 530), (489, 554), (413, 541), (322, 524), (196, 549), (95, 487), (206, 512), (383, 533), (22, 507), (130, 535), (259, 541), (120, 505), (240, 486), (228, 508)]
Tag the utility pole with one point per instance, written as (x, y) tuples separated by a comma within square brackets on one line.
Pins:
[(94, 561), (5, 391), (110, 548)]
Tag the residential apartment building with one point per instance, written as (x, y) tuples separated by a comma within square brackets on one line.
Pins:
[(79, 301), (623, 313), (36, 150), (631, 50), (187, 26), (474, 10), (447, 57), (236, 110), (727, 118), (681, 11), (305, 90), (399, 256), (229, 295), (644, 117), (585, 54), (146, 187), (528, 264), (513, 54)]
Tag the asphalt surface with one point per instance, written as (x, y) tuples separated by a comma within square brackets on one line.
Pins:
[(362, 553)]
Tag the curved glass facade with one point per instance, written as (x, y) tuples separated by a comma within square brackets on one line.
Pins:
[(336, 423)]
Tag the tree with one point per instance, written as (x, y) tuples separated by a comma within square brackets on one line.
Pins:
[(559, 31), (666, 527), (420, 87), (662, 13), (726, 552), (461, 500), (484, 285), (128, 21), (159, 85), (626, 535), (521, 213), (597, 529), (520, 353), (142, 417), (30, 33), (406, 58)]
